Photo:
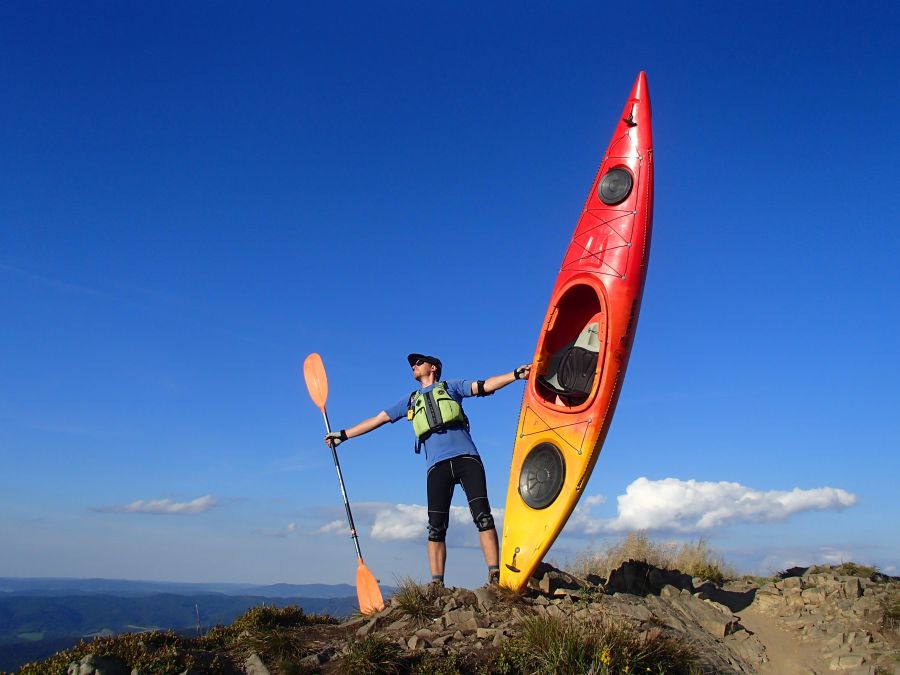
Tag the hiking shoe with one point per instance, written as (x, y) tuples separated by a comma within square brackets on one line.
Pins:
[(494, 578)]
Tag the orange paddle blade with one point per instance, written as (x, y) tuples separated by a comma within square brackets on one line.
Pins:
[(316, 380), (367, 590)]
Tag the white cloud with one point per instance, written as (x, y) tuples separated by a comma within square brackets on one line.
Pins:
[(688, 506), (594, 500), (403, 522), (164, 506), (397, 522)]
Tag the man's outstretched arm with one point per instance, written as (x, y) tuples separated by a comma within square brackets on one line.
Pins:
[(335, 438), (496, 382)]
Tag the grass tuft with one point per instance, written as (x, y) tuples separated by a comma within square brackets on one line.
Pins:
[(373, 655), (417, 601), (276, 644)]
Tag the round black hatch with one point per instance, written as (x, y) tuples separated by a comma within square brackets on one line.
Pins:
[(542, 476), (615, 186)]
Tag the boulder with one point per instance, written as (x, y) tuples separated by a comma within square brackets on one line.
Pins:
[(99, 665), (485, 597), (554, 579), (367, 628), (639, 578)]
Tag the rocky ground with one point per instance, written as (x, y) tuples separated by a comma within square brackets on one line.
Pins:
[(816, 620)]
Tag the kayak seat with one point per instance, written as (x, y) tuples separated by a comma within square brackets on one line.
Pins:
[(573, 368)]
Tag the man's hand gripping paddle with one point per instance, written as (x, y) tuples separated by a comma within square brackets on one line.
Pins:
[(367, 590)]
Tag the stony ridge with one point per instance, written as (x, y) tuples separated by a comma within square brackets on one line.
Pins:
[(838, 614)]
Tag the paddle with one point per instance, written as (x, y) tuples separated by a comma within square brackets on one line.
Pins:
[(367, 590)]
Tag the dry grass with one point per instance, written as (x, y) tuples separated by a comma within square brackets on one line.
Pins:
[(553, 645), (264, 629), (890, 606), (694, 558)]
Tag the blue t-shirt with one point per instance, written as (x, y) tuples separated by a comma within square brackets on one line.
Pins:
[(445, 444)]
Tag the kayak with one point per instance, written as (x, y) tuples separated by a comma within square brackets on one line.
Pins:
[(583, 347)]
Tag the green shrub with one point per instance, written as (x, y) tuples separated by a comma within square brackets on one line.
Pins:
[(373, 655), (436, 665), (155, 652), (852, 569), (266, 617), (263, 629)]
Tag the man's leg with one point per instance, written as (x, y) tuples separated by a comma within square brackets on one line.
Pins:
[(491, 547), (440, 492), (472, 478), (437, 558)]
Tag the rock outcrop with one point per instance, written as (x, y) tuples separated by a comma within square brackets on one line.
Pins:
[(651, 600), (841, 613)]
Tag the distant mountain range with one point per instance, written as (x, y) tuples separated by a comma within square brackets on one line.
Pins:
[(49, 586), (41, 616)]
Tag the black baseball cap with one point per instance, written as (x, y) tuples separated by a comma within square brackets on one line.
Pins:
[(433, 360)]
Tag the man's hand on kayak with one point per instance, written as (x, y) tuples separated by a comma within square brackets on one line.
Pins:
[(335, 438), (522, 372)]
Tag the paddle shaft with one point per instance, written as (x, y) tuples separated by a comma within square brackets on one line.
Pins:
[(337, 466)]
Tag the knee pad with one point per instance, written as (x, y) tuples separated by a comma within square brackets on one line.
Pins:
[(485, 522), (437, 525), (436, 533)]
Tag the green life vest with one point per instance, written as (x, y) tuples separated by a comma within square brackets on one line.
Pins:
[(434, 410)]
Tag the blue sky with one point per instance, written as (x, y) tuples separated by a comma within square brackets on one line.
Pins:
[(193, 197)]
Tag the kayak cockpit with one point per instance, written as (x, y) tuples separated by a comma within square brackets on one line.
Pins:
[(571, 350), (572, 369)]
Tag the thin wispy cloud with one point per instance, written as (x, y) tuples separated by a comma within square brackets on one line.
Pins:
[(334, 527), (280, 534), (299, 462), (149, 298), (788, 556), (164, 506), (691, 506), (61, 285)]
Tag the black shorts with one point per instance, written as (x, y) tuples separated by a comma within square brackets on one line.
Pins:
[(468, 471)]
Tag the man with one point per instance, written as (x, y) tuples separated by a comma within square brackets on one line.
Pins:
[(442, 429)]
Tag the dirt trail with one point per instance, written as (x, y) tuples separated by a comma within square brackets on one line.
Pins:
[(787, 654)]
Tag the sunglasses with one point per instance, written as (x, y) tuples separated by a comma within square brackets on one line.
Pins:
[(419, 362)]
